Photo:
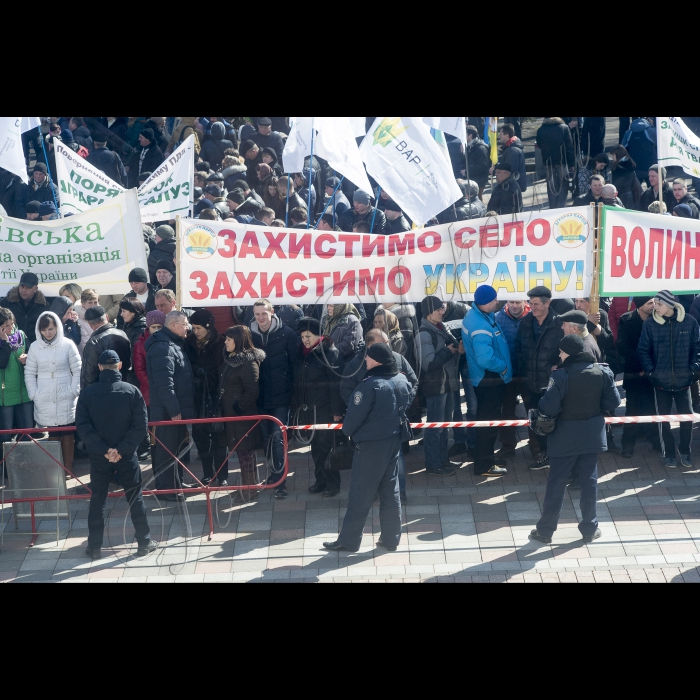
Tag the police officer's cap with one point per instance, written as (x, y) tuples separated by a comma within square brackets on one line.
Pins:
[(540, 292), (381, 353), (109, 357), (574, 317)]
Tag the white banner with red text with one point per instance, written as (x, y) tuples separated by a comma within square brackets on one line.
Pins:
[(228, 263), (644, 253)]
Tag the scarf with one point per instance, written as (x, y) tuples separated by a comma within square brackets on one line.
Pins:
[(510, 142), (308, 351), (340, 311), (15, 340)]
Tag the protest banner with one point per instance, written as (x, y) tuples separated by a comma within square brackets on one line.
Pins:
[(166, 194), (11, 151), (95, 249), (677, 145), (644, 253), (228, 263)]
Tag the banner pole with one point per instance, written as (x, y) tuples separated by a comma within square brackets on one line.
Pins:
[(658, 165), (376, 206), (178, 263), (594, 306), (329, 203), (311, 170), (48, 170)]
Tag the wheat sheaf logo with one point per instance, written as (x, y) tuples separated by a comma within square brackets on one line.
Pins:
[(571, 230), (389, 130), (200, 242)]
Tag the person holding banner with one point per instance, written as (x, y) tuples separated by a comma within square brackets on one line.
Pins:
[(657, 176), (669, 352)]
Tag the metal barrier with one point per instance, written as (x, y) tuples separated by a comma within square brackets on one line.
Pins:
[(201, 488)]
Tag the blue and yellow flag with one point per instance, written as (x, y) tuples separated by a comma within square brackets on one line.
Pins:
[(491, 136)]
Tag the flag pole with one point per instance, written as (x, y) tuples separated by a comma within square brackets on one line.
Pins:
[(466, 161), (48, 170), (311, 169), (327, 205), (178, 263), (376, 207), (594, 304)]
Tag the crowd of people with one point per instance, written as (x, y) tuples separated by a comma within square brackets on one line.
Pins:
[(303, 365)]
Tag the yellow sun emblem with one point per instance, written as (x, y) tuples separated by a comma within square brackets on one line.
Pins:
[(572, 229), (389, 130)]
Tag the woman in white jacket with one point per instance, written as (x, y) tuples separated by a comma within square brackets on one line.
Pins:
[(52, 376)]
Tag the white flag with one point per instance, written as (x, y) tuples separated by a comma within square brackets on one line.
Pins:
[(29, 123), (450, 125), (402, 156), (677, 145), (81, 186), (11, 151), (359, 126), (169, 191), (334, 142)]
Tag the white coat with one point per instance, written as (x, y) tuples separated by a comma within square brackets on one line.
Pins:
[(52, 376)]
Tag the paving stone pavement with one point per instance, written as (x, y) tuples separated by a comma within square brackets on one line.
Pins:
[(461, 529)]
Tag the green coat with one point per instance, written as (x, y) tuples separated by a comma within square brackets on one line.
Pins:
[(13, 390)]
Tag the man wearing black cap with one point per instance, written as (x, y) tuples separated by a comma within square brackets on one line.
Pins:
[(32, 210), (669, 352), (363, 211), (141, 290), (39, 189), (576, 323), (112, 422), (109, 162), (267, 138), (104, 337), (374, 422), (640, 392), (578, 396), (253, 157), (536, 356), (165, 272), (507, 197), (145, 158), (396, 221), (27, 303), (164, 250), (337, 203)]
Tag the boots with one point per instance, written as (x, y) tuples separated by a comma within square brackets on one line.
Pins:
[(68, 448), (247, 479)]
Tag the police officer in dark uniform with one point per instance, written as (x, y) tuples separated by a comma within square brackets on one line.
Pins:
[(579, 395), (373, 420), (112, 421)]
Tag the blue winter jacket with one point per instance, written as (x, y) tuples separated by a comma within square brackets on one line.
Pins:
[(669, 350), (510, 325), (486, 347)]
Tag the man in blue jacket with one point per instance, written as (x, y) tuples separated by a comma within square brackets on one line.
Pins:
[(373, 421), (490, 370), (669, 352), (580, 393)]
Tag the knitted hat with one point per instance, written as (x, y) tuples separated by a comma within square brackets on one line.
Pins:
[(381, 353), (40, 168), (148, 134), (683, 210), (310, 325), (33, 207), (246, 146), (155, 318), (138, 274), (391, 205), (166, 265), (640, 301), (666, 297), (165, 232), (485, 295), (203, 318), (361, 197), (431, 304), (572, 344), (47, 208)]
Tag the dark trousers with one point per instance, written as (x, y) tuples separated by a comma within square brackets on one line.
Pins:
[(509, 436), (489, 407), (375, 470), (538, 443), (129, 472), (211, 453), (559, 472), (557, 186), (20, 417), (640, 402), (272, 440), (664, 404), (321, 446), (439, 410), (168, 472)]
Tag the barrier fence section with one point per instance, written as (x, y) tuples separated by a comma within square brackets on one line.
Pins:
[(208, 490), (199, 488)]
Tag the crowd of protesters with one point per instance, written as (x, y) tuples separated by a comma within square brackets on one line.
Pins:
[(302, 364)]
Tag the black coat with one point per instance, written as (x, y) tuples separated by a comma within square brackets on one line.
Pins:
[(534, 359), (109, 163), (170, 379), (240, 382), (26, 193), (111, 414), (150, 302), (692, 202), (356, 371), (351, 217), (555, 142), (399, 225), (165, 250), (280, 205), (317, 385), (606, 340), (25, 315), (82, 137), (134, 330), (153, 158), (629, 332), (479, 160), (281, 346), (514, 155), (272, 140), (593, 136), (462, 210), (213, 151), (105, 338), (506, 198), (9, 191), (624, 178), (206, 365)]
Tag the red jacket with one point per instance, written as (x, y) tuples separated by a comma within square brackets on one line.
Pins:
[(619, 306), (224, 318), (139, 365)]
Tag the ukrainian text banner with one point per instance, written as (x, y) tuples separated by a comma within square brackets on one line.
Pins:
[(95, 249), (645, 253), (224, 263), (677, 145)]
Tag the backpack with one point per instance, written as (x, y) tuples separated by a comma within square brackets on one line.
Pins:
[(184, 136)]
